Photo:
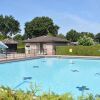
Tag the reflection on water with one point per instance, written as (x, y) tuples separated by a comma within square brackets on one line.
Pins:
[(71, 61)]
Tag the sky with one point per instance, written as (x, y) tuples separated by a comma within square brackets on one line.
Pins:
[(81, 15)]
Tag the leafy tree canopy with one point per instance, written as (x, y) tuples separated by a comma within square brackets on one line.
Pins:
[(8, 25), (2, 37), (18, 37), (72, 35), (88, 34), (61, 35), (97, 37), (40, 26)]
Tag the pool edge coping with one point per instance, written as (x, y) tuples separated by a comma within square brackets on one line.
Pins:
[(49, 56)]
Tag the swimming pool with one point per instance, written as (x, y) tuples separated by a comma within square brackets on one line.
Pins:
[(57, 74)]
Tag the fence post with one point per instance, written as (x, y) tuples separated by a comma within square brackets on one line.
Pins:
[(6, 54)]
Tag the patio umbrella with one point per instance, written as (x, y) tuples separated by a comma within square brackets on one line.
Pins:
[(3, 46)]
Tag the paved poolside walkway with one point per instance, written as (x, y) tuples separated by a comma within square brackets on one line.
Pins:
[(18, 56), (15, 56)]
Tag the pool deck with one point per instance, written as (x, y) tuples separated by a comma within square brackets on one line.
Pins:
[(11, 57), (17, 57), (72, 56)]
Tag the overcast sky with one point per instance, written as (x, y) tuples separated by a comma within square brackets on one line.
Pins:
[(81, 15)]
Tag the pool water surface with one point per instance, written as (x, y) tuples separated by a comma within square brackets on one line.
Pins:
[(57, 74)]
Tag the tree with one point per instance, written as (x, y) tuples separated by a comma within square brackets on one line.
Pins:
[(73, 35), (85, 41), (61, 35), (2, 37), (8, 25), (40, 26), (18, 37), (97, 37), (88, 34)]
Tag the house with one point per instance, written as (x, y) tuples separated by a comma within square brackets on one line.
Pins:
[(43, 45), (12, 44)]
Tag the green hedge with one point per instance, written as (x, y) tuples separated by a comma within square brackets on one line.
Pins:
[(79, 50)]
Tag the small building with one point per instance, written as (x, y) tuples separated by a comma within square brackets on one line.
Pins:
[(12, 44), (73, 43), (43, 45)]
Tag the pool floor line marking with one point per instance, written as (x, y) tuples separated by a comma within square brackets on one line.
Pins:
[(21, 84), (97, 73), (35, 66), (74, 70), (27, 78)]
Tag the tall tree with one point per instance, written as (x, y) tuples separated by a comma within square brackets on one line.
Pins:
[(61, 35), (97, 37), (88, 34), (2, 37), (73, 35), (40, 26), (18, 37), (8, 25)]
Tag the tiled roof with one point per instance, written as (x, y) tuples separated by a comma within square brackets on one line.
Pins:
[(9, 41), (45, 39)]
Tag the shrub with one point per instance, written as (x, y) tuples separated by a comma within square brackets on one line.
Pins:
[(7, 93), (85, 41)]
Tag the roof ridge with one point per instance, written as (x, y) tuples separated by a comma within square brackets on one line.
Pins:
[(46, 39)]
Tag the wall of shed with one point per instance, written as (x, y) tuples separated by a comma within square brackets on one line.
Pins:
[(34, 48), (49, 48)]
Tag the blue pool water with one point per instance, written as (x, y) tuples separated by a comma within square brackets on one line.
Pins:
[(57, 74)]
